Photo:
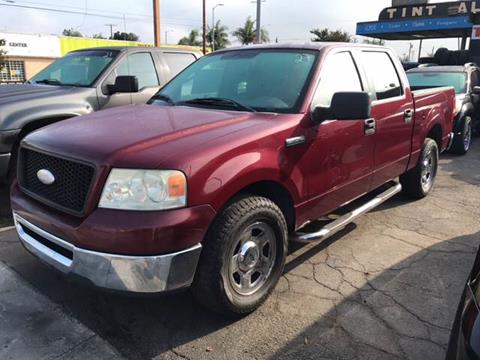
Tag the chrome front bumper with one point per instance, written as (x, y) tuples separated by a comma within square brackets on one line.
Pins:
[(142, 274)]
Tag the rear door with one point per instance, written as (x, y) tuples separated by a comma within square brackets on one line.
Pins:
[(175, 62), (340, 158), (392, 111)]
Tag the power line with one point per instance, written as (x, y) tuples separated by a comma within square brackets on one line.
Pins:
[(132, 19), (79, 8), (66, 11)]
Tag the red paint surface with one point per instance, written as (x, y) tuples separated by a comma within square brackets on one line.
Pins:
[(222, 152)]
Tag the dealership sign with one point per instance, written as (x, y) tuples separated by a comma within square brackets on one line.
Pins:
[(22, 45), (430, 10)]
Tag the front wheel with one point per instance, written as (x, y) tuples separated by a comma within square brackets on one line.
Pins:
[(418, 182), (462, 141), (243, 256)]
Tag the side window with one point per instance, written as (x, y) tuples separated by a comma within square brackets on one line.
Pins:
[(383, 75), (475, 79), (139, 65), (177, 61), (338, 74)]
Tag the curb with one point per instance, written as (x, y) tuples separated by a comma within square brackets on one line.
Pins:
[(5, 229)]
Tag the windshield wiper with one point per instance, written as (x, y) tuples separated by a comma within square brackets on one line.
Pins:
[(165, 98), (49, 82), (213, 101)]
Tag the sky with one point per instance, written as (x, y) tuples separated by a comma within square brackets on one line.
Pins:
[(287, 20)]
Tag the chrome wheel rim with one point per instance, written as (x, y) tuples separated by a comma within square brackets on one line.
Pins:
[(252, 258), (428, 170), (467, 138)]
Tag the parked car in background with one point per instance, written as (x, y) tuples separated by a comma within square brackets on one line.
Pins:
[(466, 81), (80, 83), (206, 185), (465, 337)]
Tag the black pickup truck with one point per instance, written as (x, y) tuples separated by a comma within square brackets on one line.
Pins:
[(80, 83)]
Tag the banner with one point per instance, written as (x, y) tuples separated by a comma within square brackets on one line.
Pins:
[(22, 45)]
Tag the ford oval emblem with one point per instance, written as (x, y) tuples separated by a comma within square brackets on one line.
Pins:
[(45, 176)]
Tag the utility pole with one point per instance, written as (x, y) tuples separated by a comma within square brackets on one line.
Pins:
[(259, 16), (166, 36), (204, 36), (156, 23), (213, 26), (111, 26)]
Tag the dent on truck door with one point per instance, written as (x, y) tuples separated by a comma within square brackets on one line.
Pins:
[(393, 112), (340, 158)]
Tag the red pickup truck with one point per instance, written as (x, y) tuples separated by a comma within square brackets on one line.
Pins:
[(206, 185)]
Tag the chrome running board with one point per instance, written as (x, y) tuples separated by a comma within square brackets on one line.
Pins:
[(340, 223)]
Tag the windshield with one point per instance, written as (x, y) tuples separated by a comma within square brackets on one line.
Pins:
[(425, 80), (256, 80), (77, 69)]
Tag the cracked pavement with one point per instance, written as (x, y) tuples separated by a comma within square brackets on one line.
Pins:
[(387, 287)]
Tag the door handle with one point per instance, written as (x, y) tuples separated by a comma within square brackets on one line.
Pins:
[(408, 116), (370, 126)]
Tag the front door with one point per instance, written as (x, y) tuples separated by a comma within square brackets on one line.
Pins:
[(142, 66), (393, 113), (340, 157)]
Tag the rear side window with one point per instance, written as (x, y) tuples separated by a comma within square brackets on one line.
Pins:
[(338, 74), (475, 78), (139, 65), (382, 74), (178, 61)]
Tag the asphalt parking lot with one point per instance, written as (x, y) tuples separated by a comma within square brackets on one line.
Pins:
[(385, 288)]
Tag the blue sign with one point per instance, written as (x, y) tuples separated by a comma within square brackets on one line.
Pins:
[(386, 27)]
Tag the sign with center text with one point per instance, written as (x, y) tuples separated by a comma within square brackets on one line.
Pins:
[(23, 45)]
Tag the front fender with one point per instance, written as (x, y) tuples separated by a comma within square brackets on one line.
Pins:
[(223, 180), (467, 110)]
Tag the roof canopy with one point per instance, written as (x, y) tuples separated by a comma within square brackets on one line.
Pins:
[(427, 21)]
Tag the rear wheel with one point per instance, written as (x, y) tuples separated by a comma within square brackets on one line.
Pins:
[(461, 142), (243, 256), (419, 181)]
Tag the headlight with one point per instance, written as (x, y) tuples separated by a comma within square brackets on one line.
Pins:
[(144, 190)]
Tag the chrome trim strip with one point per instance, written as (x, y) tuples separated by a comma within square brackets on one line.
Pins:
[(298, 140), (339, 224), (141, 274)]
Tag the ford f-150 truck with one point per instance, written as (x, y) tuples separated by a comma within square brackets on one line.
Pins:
[(79, 83), (206, 185)]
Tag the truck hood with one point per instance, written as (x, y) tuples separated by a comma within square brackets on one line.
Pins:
[(21, 103), (17, 92), (145, 136)]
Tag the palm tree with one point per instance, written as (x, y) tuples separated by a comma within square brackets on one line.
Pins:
[(221, 36), (247, 34), (191, 39)]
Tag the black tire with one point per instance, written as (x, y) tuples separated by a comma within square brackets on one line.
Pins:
[(462, 139), (413, 182), (214, 285)]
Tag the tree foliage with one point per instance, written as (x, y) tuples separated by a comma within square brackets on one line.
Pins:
[(98, 36), (192, 39), (326, 35), (125, 36), (221, 36), (247, 34), (72, 33), (2, 54)]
